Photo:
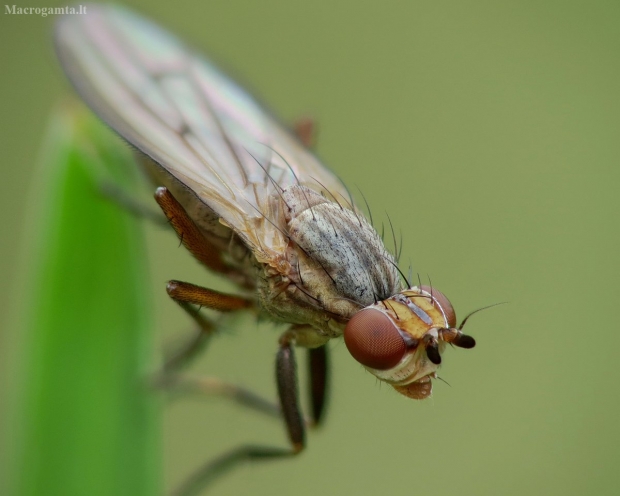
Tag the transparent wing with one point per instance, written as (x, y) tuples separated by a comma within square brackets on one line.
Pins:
[(177, 108)]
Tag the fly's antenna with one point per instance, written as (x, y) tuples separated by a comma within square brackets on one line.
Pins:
[(479, 310), (367, 206)]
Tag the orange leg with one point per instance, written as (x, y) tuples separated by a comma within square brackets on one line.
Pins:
[(191, 237), (187, 295)]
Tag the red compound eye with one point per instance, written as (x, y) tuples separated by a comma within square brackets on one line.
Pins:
[(444, 303), (374, 340)]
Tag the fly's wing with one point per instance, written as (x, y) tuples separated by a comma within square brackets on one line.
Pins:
[(178, 109)]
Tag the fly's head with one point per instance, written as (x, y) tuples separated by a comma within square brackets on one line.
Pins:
[(400, 340)]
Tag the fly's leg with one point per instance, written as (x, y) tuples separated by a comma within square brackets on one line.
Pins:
[(318, 364), (286, 379), (212, 386), (186, 294), (286, 374), (207, 474), (189, 296), (200, 247)]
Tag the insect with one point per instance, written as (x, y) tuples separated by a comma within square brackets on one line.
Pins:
[(250, 201)]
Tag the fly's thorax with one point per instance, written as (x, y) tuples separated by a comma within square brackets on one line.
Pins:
[(400, 339), (335, 263), (340, 256)]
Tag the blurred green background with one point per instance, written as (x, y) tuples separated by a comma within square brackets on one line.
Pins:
[(489, 131)]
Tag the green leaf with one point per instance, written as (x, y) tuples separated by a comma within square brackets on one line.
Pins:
[(85, 422)]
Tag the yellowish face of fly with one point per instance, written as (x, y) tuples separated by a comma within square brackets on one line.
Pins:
[(400, 339)]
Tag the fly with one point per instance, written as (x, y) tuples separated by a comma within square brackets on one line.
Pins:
[(250, 201)]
